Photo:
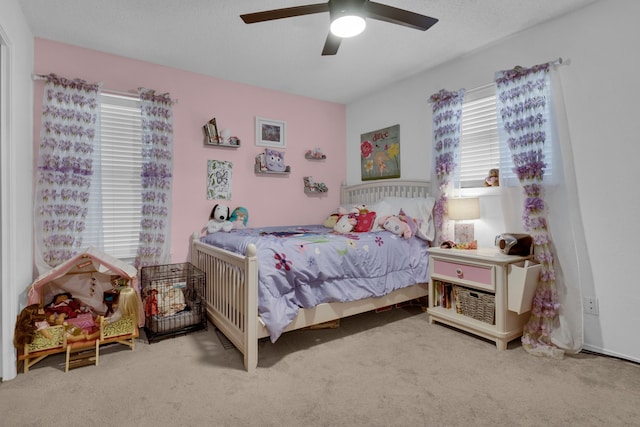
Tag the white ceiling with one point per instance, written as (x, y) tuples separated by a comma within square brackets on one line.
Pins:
[(208, 37)]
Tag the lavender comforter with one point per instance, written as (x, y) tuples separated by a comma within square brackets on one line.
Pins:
[(304, 266)]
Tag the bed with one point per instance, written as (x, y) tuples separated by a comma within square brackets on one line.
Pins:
[(264, 282)]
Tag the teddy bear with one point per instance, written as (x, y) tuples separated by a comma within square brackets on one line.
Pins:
[(219, 219), (493, 180)]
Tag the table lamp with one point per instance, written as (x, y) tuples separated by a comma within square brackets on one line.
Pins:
[(463, 209)]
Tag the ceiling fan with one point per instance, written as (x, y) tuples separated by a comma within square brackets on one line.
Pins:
[(351, 12)]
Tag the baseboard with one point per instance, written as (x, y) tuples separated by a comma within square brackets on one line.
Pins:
[(604, 352)]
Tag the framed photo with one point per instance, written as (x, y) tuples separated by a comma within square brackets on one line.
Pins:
[(211, 130), (270, 133)]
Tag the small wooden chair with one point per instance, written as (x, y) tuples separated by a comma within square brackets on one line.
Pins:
[(42, 347)]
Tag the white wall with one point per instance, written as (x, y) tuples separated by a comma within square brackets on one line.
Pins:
[(601, 90), (16, 181)]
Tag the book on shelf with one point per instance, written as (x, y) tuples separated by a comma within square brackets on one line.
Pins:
[(443, 294)]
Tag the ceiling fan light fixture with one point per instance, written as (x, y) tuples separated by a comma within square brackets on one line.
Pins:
[(348, 25)]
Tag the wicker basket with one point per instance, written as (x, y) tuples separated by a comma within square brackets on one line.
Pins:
[(475, 304)]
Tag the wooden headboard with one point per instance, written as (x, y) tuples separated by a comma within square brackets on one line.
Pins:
[(373, 191)]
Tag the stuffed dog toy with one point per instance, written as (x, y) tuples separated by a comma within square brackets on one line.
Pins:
[(219, 219)]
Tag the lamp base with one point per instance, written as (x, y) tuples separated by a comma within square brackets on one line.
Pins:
[(464, 233)]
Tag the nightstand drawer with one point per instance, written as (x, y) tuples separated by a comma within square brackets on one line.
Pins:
[(459, 271)]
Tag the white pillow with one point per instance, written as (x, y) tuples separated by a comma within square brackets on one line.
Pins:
[(382, 209)]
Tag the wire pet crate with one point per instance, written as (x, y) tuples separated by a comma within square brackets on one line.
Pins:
[(173, 297)]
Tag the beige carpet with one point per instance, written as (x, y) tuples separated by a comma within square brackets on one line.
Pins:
[(387, 369)]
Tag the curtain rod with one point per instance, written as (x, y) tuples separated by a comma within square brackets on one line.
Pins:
[(558, 61), (132, 94)]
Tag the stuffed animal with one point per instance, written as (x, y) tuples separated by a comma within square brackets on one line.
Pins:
[(345, 224), (331, 220), (274, 160), (412, 222), (493, 180), (395, 225), (219, 219), (362, 209), (239, 217)]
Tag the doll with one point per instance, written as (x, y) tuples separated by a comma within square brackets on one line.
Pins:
[(64, 304), (150, 303), (239, 217), (32, 318), (127, 305)]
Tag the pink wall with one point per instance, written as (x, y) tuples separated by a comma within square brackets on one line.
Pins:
[(270, 200)]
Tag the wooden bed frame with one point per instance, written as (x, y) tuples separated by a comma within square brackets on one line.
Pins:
[(232, 280)]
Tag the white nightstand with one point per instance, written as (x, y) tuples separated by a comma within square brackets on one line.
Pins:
[(477, 282)]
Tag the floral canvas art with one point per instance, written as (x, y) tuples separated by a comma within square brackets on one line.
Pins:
[(380, 153), (219, 180)]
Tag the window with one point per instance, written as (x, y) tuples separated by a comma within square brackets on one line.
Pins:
[(479, 142), (121, 166)]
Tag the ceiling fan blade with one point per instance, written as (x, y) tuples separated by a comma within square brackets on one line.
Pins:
[(402, 17), (288, 12), (331, 45)]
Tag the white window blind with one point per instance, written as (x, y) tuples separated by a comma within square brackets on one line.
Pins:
[(121, 165), (479, 142)]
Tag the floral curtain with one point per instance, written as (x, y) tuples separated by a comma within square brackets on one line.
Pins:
[(157, 172), (447, 121), (65, 170), (522, 106)]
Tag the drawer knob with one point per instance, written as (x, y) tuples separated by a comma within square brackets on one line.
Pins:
[(459, 272)]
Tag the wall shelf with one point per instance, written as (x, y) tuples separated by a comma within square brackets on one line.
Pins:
[(257, 170), (307, 191), (211, 144)]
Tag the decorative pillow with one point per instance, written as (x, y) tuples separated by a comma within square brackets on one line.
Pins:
[(274, 160), (365, 222)]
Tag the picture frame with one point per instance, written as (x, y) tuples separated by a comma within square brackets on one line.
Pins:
[(211, 131), (270, 133), (219, 179), (380, 153)]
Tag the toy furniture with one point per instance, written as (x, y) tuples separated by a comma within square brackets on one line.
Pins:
[(85, 279), (42, 347), (82, 353), (124, 331)]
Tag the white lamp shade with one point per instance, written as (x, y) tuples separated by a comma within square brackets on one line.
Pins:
[(463, 208), (348, 25)]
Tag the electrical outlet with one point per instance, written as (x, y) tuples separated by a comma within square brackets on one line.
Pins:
[(591, 305)]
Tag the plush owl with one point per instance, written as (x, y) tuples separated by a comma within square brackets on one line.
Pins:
[(274, 160)]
